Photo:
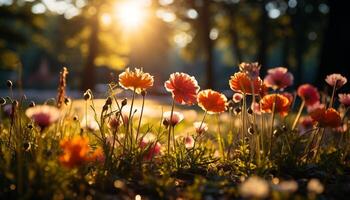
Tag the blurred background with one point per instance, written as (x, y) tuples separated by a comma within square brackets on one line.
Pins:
[(206, 38)]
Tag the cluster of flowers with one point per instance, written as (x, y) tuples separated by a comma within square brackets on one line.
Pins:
[(185, 90)]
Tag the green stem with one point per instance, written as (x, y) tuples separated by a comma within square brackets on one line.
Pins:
[(170, 119), (272, 122), (129, 120), (138, 127), (298, 115), (333, 94)]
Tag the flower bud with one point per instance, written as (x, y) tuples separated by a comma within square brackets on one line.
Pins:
[(124, 102), (237, 110), (143, 93), (2, 101), (67, 101), (32, 104), (109, 101), (87, 95), (9, 83), (251, 130), (250, 111)]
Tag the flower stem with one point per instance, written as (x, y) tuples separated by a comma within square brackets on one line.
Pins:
[(272, 122), (298, 115), (171, 117), (129, 125), (138, 127), (333, 94)]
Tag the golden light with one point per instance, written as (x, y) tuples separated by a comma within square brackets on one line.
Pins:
[(131, 14), (106, 19)]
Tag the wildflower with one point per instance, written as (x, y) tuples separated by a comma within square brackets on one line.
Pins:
[(336, 79), (154, 148), (278, 78), (237, 97), (306, 123), (309, 94), (289, 96), (175, 119), (200, 127), (344, 99), (183, 87), (315, 106), (326, 117), (241, 82), (43, 115), (135, 80), (75, 151), (89, 123), (251, 69), (254, 187), (281, 104), (97, 156), (315, 186), (212, 101), (114, 123), (189, 142), (256, 108)]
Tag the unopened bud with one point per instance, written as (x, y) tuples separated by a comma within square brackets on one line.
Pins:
[(109, 101), (9, 83), (124, 102), (2, 101), (143, 93), (87, 95), (32, 104)]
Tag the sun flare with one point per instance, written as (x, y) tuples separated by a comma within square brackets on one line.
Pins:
[(131, 15)]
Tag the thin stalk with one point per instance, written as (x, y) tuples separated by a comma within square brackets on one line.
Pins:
[(171, 117), (138, 127), (128, 126), (319, 144), (221, 146), (272, 123), (296, 120), (333, 94)]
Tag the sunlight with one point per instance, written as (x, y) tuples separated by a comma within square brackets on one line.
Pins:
[(131, 15)]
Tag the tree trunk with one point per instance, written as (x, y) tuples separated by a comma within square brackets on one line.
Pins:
[(234, 36), (207, 43), (336, 45), (263, 38), (89, 73)]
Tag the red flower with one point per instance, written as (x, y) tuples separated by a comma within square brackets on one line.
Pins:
[(326, 117), (212, 101), (281, 107), (241, 82), (309, 94), (278, 78), (184, 88)]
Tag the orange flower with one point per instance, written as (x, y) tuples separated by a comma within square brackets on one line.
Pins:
[(282, 104), (212, 101), (183, 87), (75, 151), (326, 117), (135, 80), (241, 82)]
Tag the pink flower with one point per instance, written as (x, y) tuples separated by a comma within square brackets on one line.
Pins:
[(175, 119), (336, 79), (114, 123), (278, 78), (189, 142), (251, 69), (43, 115), (237, 97), (309, 94), (183, 87), (306, 123), (200, 127), (153, 148), (344, 99), (315, 106), (256, 108)]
